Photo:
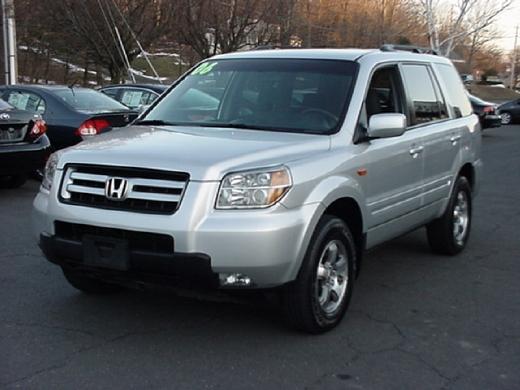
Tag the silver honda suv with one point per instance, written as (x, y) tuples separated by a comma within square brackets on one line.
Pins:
[(271, 169)]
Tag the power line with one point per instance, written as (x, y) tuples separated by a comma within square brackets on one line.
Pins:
[(120, 48), (137, 41)]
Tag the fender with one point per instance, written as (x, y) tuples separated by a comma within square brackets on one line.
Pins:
[(326, 192)]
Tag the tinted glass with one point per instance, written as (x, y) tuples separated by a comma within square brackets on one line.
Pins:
[(383, 94), (455, 90), (112, 92), (88, 100), (427, 105), (4, 105), (135, 98), (27, 101), (285, 95)]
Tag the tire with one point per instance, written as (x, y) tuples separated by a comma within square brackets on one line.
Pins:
[(310, 303), (14, 181), (89, 285), (449, 234), (507, 119)]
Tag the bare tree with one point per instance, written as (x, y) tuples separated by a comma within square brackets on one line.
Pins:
[(447, 29), (210, 27)]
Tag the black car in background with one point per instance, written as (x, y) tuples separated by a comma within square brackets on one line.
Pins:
[(24, 147), (510, 112), (71, 113), (486, 112), (134, 96)]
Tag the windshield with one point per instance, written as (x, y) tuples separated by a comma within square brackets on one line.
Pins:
[(83, 99), (308, 96), (4, 105)]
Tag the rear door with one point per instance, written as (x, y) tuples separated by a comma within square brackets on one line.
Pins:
[(440, 138)]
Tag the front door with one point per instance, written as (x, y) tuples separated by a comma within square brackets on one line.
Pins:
[(394, 166)]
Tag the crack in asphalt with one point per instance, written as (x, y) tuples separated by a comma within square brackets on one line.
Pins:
[(102, 344), (55, 327)]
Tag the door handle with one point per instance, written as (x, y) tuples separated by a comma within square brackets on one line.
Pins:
[(454, 139), (414, 152)]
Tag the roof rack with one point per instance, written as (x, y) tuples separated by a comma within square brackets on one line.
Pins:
[(271, 46), (410, 48)]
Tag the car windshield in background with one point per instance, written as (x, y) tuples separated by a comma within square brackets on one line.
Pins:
[(308, 96), (4, 105), (88, 100)]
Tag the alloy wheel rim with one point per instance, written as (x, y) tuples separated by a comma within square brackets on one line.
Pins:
[(332, 276), (506, 118), (461, 217)]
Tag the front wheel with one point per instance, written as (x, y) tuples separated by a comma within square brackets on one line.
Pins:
[(449, 234), (506, 118), (318, 299)]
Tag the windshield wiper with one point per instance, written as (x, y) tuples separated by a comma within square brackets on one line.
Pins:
[(154, 122), (246, 126), (237, 125)]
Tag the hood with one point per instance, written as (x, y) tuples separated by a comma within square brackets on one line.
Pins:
[(205, 153)]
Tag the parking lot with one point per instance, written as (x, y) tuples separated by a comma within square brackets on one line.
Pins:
[(416, 321)]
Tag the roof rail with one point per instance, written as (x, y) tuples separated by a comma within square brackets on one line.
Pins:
[(271, 46), (410, 48)]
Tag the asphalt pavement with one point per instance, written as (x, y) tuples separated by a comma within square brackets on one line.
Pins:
[(416, 320)]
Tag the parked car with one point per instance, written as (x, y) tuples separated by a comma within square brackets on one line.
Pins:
[(486, 111), (71, 113), (510, 112), (309, 158), (134, 96), (24, 147)]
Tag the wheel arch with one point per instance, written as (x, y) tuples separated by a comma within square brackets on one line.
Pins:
[(468, 171), (348, 210)]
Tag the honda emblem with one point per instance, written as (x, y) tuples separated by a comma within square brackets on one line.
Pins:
[(116, 188)]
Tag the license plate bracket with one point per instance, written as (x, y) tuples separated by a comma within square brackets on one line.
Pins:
[(106, 252)]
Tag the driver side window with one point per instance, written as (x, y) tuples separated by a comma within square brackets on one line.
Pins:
[(384, 94)]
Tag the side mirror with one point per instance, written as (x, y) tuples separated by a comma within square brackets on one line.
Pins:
[(386, 125)]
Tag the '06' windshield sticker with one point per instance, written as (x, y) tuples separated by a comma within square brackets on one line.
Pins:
[(204, 68)]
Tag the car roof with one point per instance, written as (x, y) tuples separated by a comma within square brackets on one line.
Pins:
[(374, 55), (44, 87), (153, 87)]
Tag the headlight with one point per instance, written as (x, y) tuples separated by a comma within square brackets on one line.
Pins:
[(253, 189), (50, 170)]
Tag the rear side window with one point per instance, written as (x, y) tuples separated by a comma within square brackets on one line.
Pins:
[(27, 101), (112, 92), (427, 104), (135, 98), (455, 90)]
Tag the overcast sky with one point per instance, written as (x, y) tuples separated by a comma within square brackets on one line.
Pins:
[(507, 23)]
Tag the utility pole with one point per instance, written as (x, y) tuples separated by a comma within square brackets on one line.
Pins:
[(10, 59), (512, 84)]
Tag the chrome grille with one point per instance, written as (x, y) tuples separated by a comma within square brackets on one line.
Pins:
[(149, 191), (12, 133)]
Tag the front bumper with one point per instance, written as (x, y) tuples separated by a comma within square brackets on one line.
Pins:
[(265, 245), (23, 157), (491, 121), (179, 269)]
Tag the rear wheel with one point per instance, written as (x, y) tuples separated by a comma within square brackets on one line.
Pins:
[(13, 181), (89, 285), (318, 299), (449, 234)]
